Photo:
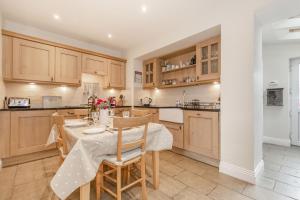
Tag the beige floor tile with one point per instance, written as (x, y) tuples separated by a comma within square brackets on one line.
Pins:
[(5, 192), (194, 166), (196, 182), (158, 195), (36, 190), (25, 172), (51, 165), (275, 158), (265, 182), (222, 193), (190, 194), (225, 180), (171, 157), (7, 176), (170, 186), (169, 169), (260, 193), (287, 190)]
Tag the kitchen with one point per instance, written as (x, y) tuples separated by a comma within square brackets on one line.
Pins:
[(49, 71)]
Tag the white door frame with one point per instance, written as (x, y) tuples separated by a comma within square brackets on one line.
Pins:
[(294, 101)]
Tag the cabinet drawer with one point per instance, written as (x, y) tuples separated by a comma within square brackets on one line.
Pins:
[(177, 132), (73, 113)]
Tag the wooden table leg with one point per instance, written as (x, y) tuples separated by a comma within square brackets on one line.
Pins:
[(85, 192), (155, 169)]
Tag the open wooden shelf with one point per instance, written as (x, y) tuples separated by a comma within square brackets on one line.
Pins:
[(189, 84), (179, 69)]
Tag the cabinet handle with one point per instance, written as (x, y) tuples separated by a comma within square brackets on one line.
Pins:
[(198, 114), (51, 78), (71, 113), (108, 84), (95, 72), (197, 77), (79, 81)]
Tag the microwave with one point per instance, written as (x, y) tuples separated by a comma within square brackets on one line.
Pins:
[(18, 102)]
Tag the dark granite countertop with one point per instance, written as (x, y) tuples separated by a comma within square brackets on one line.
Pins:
[(85, 107)]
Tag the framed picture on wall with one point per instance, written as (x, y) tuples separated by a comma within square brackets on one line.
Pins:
[(275, 97), (138, 77)]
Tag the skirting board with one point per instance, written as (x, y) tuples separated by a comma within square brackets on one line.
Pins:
[(276, 141), (241, 173)]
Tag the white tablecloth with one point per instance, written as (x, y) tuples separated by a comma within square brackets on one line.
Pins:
[(88, 151)]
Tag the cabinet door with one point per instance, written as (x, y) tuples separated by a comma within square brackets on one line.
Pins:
[(7, 45), (177, 132), (201, 133), (94, 65), (33, 61), (208, 59), (116, 75), (150, 74), (4, 134), (29, 131), (68, 66)]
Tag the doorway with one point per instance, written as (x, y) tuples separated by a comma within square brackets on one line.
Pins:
[(294, 101)]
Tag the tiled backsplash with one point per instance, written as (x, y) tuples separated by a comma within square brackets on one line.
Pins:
[(71, 96)]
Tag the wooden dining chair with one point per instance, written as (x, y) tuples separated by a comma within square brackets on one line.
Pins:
[(127, 154), (61, 139)]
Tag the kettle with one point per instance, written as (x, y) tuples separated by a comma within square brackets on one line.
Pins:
[(146, 101)]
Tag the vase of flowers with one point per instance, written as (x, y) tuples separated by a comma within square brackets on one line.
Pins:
[(103, 106)]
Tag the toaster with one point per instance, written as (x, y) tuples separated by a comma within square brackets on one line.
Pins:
[(18, 102)]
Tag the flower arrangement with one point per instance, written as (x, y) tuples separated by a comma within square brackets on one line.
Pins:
[(102, 104), (97, 104)]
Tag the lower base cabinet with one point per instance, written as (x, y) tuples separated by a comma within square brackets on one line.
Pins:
[(4, 134), (177, 131), (30, 131), (201, 133)]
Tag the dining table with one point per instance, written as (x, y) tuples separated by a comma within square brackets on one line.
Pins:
[(87, 151)]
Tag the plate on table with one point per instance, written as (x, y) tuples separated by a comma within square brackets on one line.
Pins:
[(75, 123), (94, 130)]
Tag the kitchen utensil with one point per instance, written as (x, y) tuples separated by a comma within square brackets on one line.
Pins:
[(146, 101)]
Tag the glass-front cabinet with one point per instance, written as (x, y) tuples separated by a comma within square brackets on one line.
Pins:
[(150, 74), (208, 59)]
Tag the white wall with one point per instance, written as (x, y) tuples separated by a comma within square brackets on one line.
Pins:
[(237, 20), (276, 60)]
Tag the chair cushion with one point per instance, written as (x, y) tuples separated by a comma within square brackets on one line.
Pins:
[(126, 156)]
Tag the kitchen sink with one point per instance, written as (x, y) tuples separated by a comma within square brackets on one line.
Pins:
[(171, 115)]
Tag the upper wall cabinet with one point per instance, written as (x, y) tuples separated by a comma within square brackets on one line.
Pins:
[(7, 52), (32, 61), (94, 65), (116, 75), (150, 73), (209, 59), (68, 66)]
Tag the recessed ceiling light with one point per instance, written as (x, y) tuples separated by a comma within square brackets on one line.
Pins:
[(144, 8), (56, 16), (109, 35)]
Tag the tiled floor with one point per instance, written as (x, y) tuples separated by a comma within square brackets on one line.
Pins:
[(181, 179)]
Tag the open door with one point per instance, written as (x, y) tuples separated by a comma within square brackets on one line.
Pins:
[(294, 101)]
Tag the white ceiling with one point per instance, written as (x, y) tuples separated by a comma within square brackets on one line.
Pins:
[(278, 32), (93, 20)]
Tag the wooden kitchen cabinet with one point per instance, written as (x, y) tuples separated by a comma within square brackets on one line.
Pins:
[(177, 131), (94, 65), (68, 66), (151, 73), (7, 56), (116, 75), (32, 61), (4, 134), (73, 113), (208, 54), (30, 131), (201, 133), (153, 111)]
